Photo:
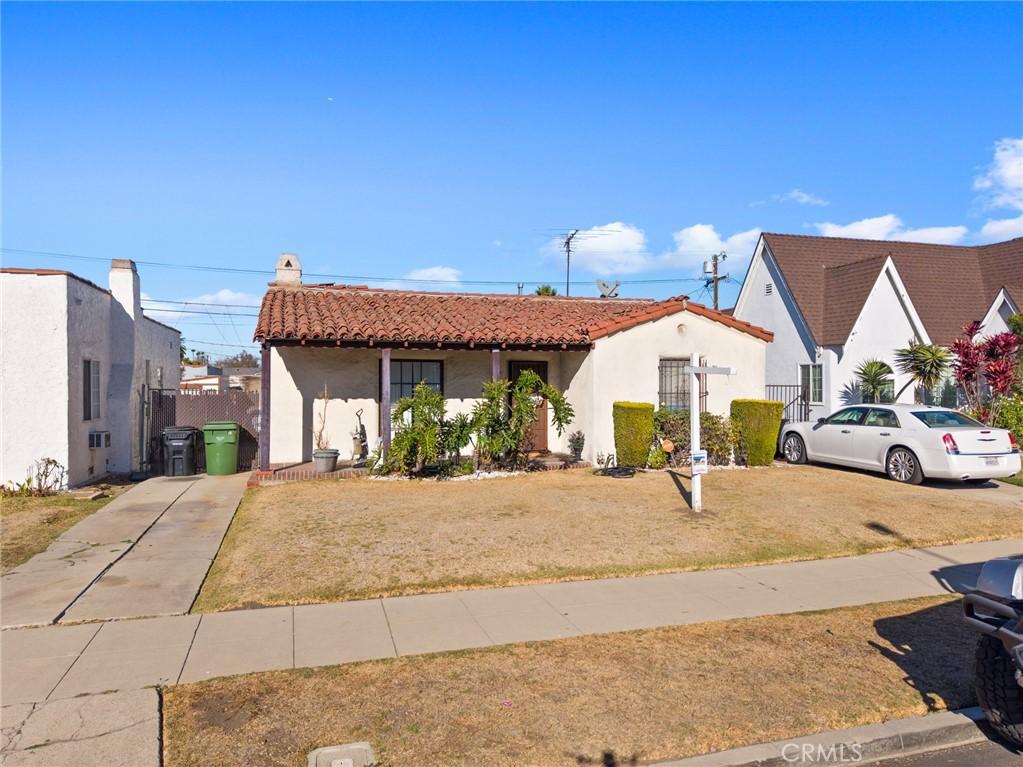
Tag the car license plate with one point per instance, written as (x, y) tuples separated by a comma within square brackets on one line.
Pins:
[(990, 461)]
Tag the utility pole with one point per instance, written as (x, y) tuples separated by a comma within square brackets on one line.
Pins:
[(568, 257), (711, 268)]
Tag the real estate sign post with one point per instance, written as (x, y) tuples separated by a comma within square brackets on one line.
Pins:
[(698, 459)]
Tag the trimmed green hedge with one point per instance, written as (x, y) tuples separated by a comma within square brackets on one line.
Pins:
[(634, 432), (757, 423)]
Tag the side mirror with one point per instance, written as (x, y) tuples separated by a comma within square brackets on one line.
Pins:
[(821, 420)]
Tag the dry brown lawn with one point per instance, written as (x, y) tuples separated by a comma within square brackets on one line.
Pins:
[(645, 695), (326, 541), (29, 525)]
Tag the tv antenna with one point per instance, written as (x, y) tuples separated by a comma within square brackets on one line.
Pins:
[(567, 245)]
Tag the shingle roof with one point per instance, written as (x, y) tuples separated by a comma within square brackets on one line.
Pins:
[(949, 285), (359, 315)]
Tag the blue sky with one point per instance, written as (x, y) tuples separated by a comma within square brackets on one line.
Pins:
[(385, 140)]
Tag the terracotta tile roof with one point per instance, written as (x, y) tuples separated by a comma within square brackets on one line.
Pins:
[(359, 315), (949, 285)]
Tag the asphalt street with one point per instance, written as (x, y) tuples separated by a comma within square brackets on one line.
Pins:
[(987, 754)]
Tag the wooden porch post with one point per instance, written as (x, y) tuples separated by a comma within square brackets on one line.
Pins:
[(264, 407), (495, 364), (385, 399)]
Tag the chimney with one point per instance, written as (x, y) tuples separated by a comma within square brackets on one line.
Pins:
[(124, 285), (289, 270)]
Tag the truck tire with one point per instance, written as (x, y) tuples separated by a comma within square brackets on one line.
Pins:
[(998, 693)]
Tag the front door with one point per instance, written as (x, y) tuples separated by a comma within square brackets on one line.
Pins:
[(537, 438)]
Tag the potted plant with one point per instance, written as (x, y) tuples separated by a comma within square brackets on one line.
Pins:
[(576, 440), (324, 457)]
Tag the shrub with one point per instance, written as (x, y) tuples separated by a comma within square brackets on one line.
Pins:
[(1011, 417), (419, 424), (634, 432), (717, 436), (658, 458), (757, 423), (47, 476)]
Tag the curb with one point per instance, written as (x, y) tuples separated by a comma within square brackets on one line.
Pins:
[(857, 745)]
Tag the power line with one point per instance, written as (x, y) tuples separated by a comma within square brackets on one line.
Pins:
[(345, 277)]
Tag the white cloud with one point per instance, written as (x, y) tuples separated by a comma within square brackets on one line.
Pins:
[(695, 244), (890, 227), (444, 273), (1002, 182), (801, 197), (614, 248), (1002, 229)]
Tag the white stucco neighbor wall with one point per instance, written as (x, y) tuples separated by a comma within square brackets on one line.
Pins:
[(776, 311), (33, 372), (884, 325), (50, 325)]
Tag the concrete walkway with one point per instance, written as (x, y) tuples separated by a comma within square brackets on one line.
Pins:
[(145, 553), (55, 662)]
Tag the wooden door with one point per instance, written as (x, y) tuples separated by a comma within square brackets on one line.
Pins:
[(537, 438)]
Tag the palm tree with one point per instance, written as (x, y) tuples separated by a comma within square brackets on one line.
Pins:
[(546, 290), (925, 364), (874, 377)]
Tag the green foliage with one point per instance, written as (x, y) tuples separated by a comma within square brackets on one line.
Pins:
[(47, 476), (418, 422), (546, 290), (757, 423), (874, 378), (657, 459), (925, 364), (717, 436), (456, 433), (576, 441), (634, 432), (503, 418), (1010, 416)]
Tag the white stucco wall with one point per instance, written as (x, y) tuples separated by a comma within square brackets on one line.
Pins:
[(33, 372), (50, 325), (352, 376), (883, 326), (625, 366), (792, 345)]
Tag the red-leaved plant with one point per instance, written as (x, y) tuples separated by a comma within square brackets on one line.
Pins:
[(990, 361)]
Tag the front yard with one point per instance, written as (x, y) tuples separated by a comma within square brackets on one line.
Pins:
[(28, 524), (326, 541), (606, 699)]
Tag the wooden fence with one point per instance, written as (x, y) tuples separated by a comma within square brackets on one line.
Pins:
[(172, 408)]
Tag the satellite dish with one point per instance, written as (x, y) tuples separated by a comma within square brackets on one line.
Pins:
[(608, 289)]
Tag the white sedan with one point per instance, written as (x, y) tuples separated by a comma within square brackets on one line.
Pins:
[(907, 442)]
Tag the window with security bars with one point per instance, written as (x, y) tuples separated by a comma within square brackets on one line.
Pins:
[(673, 390)]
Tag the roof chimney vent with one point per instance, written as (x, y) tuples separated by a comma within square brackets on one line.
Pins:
[(289, 270)]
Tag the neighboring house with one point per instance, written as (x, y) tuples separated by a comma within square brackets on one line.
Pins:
[(243, 379), (76, 361), (834, 302), (370, 347), (219, 380), (214, 384), (188, 372)]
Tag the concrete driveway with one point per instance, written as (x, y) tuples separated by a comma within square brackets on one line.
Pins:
[(145, 553)]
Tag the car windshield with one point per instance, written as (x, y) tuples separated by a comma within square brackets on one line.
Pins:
[(936, 419)]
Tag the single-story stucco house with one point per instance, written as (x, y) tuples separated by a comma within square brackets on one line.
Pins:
[(370, 347)]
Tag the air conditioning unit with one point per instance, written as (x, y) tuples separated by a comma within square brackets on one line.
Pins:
[(99, 439)]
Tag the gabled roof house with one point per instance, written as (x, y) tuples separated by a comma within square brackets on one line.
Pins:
[(370, 347), (835, 302)]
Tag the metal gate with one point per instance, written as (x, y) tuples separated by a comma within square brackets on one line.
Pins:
[(169, 407)]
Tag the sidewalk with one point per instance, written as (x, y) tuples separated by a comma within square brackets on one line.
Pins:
[(144, 553), (63, 661)]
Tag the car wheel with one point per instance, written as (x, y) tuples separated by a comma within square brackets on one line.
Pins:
[(998, 693), (794, 449), (902, 466)]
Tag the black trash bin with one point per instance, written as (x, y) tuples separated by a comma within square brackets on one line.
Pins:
[(179, 446)]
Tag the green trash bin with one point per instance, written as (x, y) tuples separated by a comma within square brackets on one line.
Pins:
[(221, 439)]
